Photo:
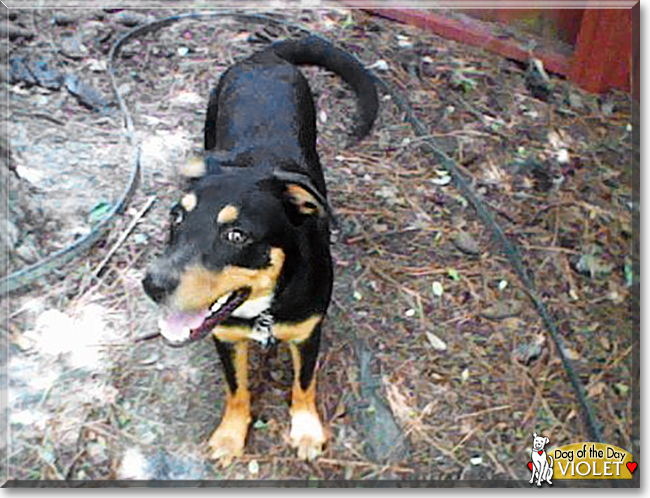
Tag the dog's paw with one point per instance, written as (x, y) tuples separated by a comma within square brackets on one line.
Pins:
[(226, 444), (307, 435)]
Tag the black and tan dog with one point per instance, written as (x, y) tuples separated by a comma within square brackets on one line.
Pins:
[(248, 255)]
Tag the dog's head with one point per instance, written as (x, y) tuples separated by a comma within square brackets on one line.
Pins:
[(539, 442), (230, 236)]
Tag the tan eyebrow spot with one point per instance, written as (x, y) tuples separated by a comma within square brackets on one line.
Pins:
[(189, 202), (228, 214)]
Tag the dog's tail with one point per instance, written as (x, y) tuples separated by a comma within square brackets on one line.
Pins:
[(319, 52)]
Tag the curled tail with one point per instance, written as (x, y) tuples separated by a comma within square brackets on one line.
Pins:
[(319, 52)]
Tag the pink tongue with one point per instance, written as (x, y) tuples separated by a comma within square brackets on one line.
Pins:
[(177, 325)]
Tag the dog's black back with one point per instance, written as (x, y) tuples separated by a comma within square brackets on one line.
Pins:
[(263, 106)]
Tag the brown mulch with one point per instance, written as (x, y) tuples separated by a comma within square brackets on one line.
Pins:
[(435, 365)]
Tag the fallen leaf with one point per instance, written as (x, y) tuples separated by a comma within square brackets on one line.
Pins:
[(442, 180), (453, 274), (399, 403), (436, 343), (466, 243), (593, 265), (596, 390)]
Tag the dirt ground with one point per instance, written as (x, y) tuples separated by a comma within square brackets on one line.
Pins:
[(435, 364)]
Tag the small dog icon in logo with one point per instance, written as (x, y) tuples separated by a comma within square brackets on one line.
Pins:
[(540, 466)]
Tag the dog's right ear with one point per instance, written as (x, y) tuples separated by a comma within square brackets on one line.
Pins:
[(534, 434), (303, 195)]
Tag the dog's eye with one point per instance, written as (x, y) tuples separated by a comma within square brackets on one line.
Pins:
[(235, 236)]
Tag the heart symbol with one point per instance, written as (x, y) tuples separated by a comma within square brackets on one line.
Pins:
[(530, 465), (631, 466), (540, 451)]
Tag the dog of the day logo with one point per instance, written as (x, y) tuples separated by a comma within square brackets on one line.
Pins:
[(542, 464), (578, 461)]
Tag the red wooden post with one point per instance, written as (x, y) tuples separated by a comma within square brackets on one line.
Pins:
[(603, 54)]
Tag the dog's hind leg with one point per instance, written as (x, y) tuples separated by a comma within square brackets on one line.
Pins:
[(307, 433), (227, 441)]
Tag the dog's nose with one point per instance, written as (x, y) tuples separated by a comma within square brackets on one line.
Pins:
[(158, 287)]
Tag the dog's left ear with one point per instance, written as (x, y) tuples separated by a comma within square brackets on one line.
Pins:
[(547, 440), (301, 192), (197, 167), (193, 168)]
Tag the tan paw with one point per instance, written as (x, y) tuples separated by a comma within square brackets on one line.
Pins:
[(224, 445), (307, 435)]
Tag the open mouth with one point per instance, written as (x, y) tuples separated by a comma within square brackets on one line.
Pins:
[(219, 311), (180, 327)]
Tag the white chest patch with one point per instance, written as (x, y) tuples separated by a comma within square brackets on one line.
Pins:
[(253, 307)]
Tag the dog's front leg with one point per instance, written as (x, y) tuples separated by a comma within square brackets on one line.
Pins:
[(532, 477), (227, 441), (542, 471), (537, 471), (307, 432)]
